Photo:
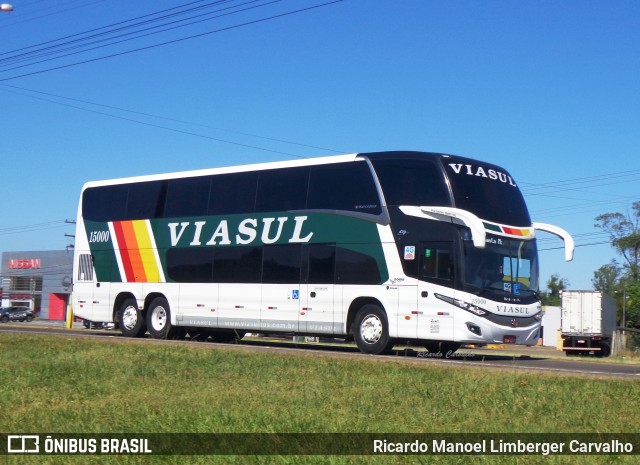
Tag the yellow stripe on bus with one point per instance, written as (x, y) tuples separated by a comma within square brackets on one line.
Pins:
[(146, 251)]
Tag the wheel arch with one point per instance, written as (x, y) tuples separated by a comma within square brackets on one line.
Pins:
[(151, 297), (356, 305), (117, 304)]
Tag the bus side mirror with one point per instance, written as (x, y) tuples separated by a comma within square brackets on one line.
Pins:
[(569, 244)]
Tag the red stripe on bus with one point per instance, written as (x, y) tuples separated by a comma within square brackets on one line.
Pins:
[(123, 250)]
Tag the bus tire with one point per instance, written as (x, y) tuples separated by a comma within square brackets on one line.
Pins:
[(130, 319), (371, 330), (159, 321)]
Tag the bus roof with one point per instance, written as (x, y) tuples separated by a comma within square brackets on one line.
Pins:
[(266, 166)]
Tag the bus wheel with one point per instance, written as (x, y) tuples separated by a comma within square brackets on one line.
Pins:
[(371, 330), (443, 347), (159, 321), (130, 319)]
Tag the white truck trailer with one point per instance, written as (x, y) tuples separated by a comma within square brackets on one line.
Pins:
[(588, 323)]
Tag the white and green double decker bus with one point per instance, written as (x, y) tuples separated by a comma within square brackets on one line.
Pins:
[(380, 247)]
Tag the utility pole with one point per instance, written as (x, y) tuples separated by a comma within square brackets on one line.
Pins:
[(73, 236)]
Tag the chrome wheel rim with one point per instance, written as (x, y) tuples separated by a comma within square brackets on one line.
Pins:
[(130, 317), (371, 329)]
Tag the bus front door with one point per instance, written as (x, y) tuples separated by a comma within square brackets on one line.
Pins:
[(435, 316)]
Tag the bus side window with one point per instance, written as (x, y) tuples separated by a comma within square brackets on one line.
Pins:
[(233, 193), (105, 203), (356, 267), (319, 264), (282, 189), (436, 262), (281, 264), (146, 200), (343, 186), (187, 197)]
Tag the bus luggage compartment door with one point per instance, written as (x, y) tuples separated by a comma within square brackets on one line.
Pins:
[(317, 310)]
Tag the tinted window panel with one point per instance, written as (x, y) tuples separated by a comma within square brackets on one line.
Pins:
[(355, 268), (106, 203), (343, 186), (193, 265), (233, 193), (237, 264), (487, 191), (281, 264), (146, 200), (436, 262), (322, 263), (187, 197), (282, 190), (412, 182)]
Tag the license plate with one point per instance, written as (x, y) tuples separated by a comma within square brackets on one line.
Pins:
[(509, 339)]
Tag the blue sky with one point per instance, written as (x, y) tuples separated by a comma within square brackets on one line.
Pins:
[(550, 90)]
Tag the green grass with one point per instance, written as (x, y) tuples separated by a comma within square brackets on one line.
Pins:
[(76, 385)]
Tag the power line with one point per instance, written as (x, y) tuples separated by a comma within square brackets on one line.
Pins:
[(65, 46), (162, 44), (150, 115), (551, 238), (32, 227), (100, 28), (58, 10), (554, 184), (180, 131), (577, 245), (584, 207)]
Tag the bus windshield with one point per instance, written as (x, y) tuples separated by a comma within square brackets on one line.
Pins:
[(481, 187), (504, 269)]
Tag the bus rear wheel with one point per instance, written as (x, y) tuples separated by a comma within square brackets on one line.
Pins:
[(131, 320), (371, 330), (159, 321)]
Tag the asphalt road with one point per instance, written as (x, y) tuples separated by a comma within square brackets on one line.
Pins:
[(514, 358)]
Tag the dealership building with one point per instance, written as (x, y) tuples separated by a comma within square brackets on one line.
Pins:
[(40, 280)]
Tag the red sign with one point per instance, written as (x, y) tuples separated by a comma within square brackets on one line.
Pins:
[(20, 296), (24, 263)]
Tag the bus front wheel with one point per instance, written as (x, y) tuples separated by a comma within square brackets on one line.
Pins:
[(131, 320), (371, 330)]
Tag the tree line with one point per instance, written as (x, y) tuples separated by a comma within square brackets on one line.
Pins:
[(620, 279)]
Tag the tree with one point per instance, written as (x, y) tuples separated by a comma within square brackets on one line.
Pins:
[(554, 286), (624, 232), (607, 278), (633, 306)]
